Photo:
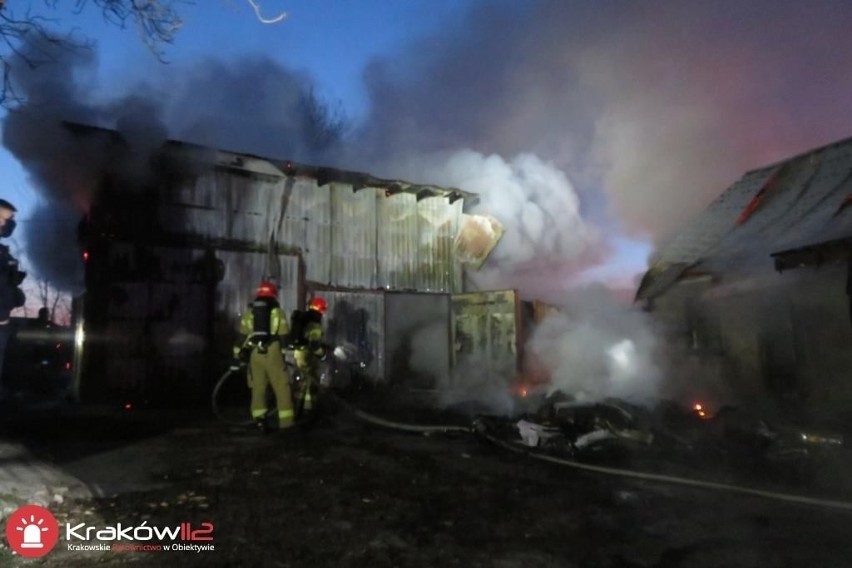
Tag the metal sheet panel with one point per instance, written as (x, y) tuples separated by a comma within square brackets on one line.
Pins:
[(438, 223), (353, 259), (477, 237), (243, 272), (227, 205), (397, 241), (358, 318), (315, 205), (356, 239), (417, 339)]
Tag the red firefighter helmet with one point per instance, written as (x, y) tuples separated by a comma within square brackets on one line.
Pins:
[(266, 289), (318, 304)]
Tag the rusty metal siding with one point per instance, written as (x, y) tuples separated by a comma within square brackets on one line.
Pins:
[(358, 318), (354, 237)]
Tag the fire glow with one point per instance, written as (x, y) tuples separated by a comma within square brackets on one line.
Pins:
[(700, 410)]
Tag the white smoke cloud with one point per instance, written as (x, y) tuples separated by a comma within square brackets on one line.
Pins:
[(597, 347), (537, 206), (655, 106)]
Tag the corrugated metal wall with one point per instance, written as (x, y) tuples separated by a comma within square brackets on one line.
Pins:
[(240, 280), (364, 239), (217, 235), (354, 237)]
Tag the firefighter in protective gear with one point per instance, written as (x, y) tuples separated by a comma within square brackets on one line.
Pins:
[(263, 326), (309, 351)]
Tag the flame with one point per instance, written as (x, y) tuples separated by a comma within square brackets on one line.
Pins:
[(699, 409)]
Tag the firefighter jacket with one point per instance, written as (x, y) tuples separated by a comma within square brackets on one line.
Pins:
[(313, 334), (264, 324)]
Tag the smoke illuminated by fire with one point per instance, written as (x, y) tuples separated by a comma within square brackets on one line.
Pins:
[(545, 232), (597, 348), (660, 107)]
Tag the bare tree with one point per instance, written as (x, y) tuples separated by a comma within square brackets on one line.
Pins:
[(157, 23), (42, 294)]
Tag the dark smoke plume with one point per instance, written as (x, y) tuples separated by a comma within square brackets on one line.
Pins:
[(252, 106)]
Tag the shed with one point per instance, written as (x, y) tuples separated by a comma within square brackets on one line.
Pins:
[(726, 292), (171, 265)]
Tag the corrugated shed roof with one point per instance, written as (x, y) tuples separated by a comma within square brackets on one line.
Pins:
[(800, 202), (281, 167)]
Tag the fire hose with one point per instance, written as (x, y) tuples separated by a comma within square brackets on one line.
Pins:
[(214, 397), (478, 427)]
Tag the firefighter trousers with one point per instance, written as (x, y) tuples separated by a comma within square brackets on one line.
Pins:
[(308, 366), (266, 369)]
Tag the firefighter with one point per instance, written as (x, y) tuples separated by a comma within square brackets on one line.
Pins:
[(309, 350), (263, 327)]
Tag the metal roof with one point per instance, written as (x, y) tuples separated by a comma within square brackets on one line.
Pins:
[(798, 203), (287, 168)]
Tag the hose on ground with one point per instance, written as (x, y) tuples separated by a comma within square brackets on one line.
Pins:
[(214, 398), (481, 429), (372, 419)]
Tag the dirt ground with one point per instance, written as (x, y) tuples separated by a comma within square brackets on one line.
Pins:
[(348, 494)]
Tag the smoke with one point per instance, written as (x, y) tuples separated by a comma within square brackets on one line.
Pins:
[(656, 107), (597, 347), (651, 109), (253, 106), (50, 231), (545, 232)]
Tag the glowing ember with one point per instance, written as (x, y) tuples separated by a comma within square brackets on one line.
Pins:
[(700, 410)]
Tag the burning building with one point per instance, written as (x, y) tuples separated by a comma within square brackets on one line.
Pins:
[(170, 265), (756, 289)]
